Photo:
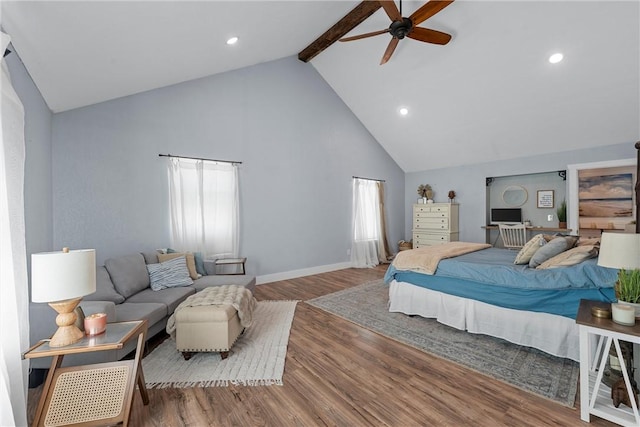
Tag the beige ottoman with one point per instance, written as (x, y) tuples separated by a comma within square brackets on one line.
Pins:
[(207, 328)]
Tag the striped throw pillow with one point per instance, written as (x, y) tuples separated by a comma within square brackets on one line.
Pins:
[(169, 274)]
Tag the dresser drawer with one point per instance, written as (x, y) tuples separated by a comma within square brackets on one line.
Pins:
[(428, 208), (430, 239), (431, 224), (440, 209), (431, 214)]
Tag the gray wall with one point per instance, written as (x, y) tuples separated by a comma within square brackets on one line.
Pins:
[(532, 183), (37, 185), (469, 182), (299, 144)]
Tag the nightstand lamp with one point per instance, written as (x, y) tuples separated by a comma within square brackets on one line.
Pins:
[(622, 251), (61, 279)]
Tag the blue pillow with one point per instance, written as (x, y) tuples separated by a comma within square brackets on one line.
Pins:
[(556, 246), (200, 263)]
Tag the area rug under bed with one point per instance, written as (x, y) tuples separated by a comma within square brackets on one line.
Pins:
[(257, 358), (532, 370)]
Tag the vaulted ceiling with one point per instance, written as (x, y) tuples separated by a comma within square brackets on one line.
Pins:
[(489, 94)]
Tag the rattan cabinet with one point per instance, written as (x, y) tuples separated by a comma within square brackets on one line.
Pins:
[(435, 224)]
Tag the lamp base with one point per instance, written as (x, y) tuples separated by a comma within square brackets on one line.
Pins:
[(67, 333)]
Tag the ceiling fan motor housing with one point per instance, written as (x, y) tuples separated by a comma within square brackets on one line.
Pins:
[(399, 29)]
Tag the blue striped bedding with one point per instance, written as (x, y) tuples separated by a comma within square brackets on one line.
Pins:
[(490, 276)]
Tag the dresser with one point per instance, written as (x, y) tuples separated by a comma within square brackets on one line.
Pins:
[(435, 224)]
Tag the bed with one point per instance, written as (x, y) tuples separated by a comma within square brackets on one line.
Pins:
[(484, 292)]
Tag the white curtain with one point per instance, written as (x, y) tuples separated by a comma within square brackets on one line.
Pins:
[(204, 207), (14, 294), (366, 224)]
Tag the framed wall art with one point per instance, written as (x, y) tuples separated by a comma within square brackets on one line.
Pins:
[(545, 199)]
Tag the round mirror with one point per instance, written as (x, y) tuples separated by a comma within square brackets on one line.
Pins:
[(514, 196)]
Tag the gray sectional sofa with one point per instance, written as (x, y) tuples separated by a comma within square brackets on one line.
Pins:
[(123, 292)]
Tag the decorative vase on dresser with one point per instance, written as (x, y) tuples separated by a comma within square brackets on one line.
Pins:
[(435, 224)]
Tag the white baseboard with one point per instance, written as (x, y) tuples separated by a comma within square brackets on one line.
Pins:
[(286, 275)]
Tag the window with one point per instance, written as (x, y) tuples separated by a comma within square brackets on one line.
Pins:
[(369, 246), (204, 207)]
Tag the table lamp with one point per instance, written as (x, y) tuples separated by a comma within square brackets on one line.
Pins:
[(621, 251), (61, 279)]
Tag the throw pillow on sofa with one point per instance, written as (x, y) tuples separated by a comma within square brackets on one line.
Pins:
[(128, 273), (105, 290), (169, 274), (191, 262), (199, 259)]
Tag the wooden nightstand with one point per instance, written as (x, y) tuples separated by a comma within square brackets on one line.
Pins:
[(95, 394), (595, 397)]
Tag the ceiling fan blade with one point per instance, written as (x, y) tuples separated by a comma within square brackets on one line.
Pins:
[(390, 48), (428, 10), (362, 36), (390, 7), (429, 36)]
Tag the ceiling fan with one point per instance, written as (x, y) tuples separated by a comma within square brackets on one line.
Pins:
[(407, 27)]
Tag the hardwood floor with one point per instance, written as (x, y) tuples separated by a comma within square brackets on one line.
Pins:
[(339, 374)]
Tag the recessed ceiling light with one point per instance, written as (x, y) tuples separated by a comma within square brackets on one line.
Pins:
[(555, 58), (232, 40), (403, 111)]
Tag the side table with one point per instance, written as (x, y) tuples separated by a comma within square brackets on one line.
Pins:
[(595, 397), (221, 262), (101, 393)]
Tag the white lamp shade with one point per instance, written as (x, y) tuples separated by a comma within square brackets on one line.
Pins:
[(619, 250), (58, 276)]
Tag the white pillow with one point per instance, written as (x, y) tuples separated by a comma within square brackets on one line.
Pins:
[(570, 257), (529, 249), (169, 274)]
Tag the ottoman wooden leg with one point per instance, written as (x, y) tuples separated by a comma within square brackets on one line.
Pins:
[(187, 355), (224, 354)]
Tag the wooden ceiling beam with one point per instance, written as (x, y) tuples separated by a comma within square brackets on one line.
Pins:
[(342, 27)]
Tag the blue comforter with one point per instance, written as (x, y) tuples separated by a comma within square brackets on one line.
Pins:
[(490, 276)]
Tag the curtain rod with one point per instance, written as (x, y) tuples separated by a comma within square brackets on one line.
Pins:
[(200, 158), (370, 179)]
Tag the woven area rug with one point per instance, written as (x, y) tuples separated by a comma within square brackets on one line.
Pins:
[(532, 370), (257, 357)]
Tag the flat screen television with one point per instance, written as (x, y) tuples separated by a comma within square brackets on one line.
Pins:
[(506, 216)]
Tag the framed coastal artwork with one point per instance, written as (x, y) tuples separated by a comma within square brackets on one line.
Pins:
[(606, 196)]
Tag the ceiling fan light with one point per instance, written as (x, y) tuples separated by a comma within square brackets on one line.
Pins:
[(555, 58), (232, 40), (403, 111)]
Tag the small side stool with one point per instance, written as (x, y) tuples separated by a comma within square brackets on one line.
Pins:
[(211, 328)]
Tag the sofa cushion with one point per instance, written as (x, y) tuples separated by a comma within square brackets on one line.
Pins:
[(191, 262), (150, 257), (171, 297), (169, 274), (128, 274), (204, 282), (152, 312), (105, 291)]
